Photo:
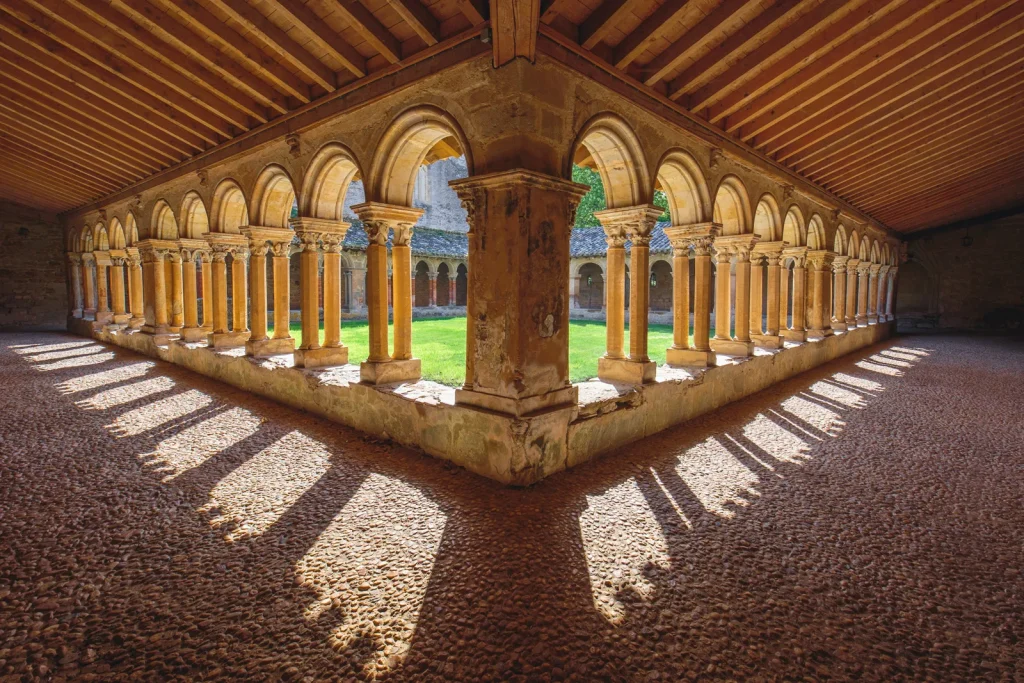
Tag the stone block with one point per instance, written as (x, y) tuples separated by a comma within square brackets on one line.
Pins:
[(626, 370), (324, 357), (389, 372), (767, 341), (228, 340), (265, 348), (731, 347), (689, 357)]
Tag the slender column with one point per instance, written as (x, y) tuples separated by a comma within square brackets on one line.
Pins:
[(103, 314), (451, 288), (890, 293), (75, 260), (401, 271), (332, 291), (117, 289), (839, 275), (883, 282), (820, 263), (757, 262), (733, 251), (702, 296), (177, 292), (136, 298), (615, 292), (312, 232), (282, 291), (89, 282), (433, 289), (774, 278), (206, 265), (309, 287), (223, 244), (639, 288), (700, 238), (190, 331), (795, 297), (239, 291), (799, 297), (680, 297), (742, 260), (169, 290), (376, 290), (862, 294), (258, 250), (723, 314), (154, 271), (851, 292), (220, 291), (872, 294)]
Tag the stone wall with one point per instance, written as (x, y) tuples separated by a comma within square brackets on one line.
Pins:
[(33, 284), (945, 285)]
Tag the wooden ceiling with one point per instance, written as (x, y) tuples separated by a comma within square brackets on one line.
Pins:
[(911, 110)]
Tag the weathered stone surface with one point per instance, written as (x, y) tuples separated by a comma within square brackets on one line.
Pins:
[(33, 285)]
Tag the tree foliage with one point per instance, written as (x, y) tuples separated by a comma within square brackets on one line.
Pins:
[(595, 199)]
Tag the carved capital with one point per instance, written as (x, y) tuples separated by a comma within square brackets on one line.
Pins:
[(332, 243), (309, 240), (281, 249), (614, 236), (377, 231), (401, 234), (259, 249)]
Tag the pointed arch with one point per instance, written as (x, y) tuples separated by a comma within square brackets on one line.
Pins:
[(116, 235), (194, 219), (131, 229), (326, 182), (885, 254), (273, 197), (865, 248), (768, 219), (86, 239), (404, 147), (100, 240), (794, 230), (816, 233), (732, 206), (875, 252), (840, 241), (612, 147), (229, 211), (682, 181), (164, 224), (853, 245)]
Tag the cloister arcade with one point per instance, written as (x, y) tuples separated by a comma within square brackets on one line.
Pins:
[(741, 245)]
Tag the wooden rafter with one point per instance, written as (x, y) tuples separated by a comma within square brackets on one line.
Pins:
[(633, 45), (419, 18), (322, 35), (514, 25)]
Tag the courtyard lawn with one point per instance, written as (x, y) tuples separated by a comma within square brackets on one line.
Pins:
[(440, 343)]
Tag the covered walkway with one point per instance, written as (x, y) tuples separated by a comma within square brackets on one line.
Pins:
[(860, 520)]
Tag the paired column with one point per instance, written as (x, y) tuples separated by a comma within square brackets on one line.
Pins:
[(699, 237), (839, 277), (764, 325), (75, 261), (820, 263), (862, 293), (135, 290), (191, 250), (873, 294), (733, 251), (103, 312), (223, 245), (261, 241), (89, 285), (154, 274), (177, 291), (311, 233), (206, 266), (795, 298), (883, 285), (634, 223), (117, 289), (890, 293), (851, 292), (378, 219)]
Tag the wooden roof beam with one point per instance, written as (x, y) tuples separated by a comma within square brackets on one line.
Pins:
[(36, 179), (634, 44), (307, 21), (51, 172), (514, 26), (476, 11), (595, 27), (414, 13), (57, 163), (362, 21), (986, 174)]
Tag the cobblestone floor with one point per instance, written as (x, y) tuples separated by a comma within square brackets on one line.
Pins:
[(861, 521)]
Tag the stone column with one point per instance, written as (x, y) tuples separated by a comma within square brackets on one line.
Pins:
[(451, 288), (890, 293), (733, 250), (756, 323), (839, 275), (873, 294), (281, 263), (258, 250), (117, 297), (190, 331), (796, 331), (883, 283), (312, 232), (820, 262), (770, 253), (223, 244), (89, 285), (154, 271), (862, 293), (634, 223), (103, 313), (377, 219), (723, 305), (517, 323), (261, 241), (206, 261), (433, 289), (851, 292), (177, 310), (137, 305), (77, 306), (700, 237)]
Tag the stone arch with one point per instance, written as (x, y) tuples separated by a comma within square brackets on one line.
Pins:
[(194, 219), (131, 229), (865, 248), (86, 239), (885, 254), (100, 240), (816, 233), (661, 285), (682, 181), (732, 206), (615, 151), (443, 285), (326, 182), (794, 230), (116, 235), (404, 147), (768, 219), (229, 211), (591, 287), (840, 243), (875, 253), (273, 197), (461, 283), (164, 225), (421, 277)]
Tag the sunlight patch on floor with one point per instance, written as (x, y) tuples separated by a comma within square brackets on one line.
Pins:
[(101, 379), (198, 443), (880, 369), (621, 537), (717, 478), (845, 397), (886, 360), (94, 358), (858, 382), (66, 353), (773, 439), (126, 393), (814, 414), (152, 415)]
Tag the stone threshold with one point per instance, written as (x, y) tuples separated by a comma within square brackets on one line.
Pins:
[(423, 414)]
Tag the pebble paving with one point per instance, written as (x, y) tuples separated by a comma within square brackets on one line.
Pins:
[(863, 521)]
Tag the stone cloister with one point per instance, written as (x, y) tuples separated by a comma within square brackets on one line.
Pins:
[(792, 273)]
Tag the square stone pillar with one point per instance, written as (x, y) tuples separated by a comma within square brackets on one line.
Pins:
[(135, 291), (767, 336), (851, 292), (517, 323), (862, 293), (154, 272), (103, 314), (634, 223), (700, 237), (223, 244), (796, 331), (312, 233), (838, 319), (378, 219), (733, 251), (191, 249), (819, 262), (261, 241), (75, 276)]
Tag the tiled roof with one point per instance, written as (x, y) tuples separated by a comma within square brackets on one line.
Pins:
[(589, 242)]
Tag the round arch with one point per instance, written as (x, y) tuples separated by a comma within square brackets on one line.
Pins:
[(194, 219), (682, 181), (164, 224), (732, 206), (768, 219), (131, 229), (794, 230), (816, 233), (840, 242), (326, 182), (273, 197), (875, 252), (865, 248), (885, 254), (116, 235), (404, 147), (229, 211), (618, 157)]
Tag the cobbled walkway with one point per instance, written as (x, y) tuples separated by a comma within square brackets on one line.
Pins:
[(863, 521)]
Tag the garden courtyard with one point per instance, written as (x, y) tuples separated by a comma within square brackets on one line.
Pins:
[(440, 343)]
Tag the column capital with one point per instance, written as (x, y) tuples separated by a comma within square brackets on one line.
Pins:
[(332, 243), (863, 267), (635, 222), (281, 249), (698, 236), (226, 243), (771, 251), (191, 248), (259, 236), (102, 258), (852, 263), (118, 257), (798, 254), (884, 270), (839, 264), (88, 257), (174, 256), (874, 268), (134, 257), (736, 245), (820, 259), (153, 250)]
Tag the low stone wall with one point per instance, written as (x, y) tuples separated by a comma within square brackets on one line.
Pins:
[(522, 451)]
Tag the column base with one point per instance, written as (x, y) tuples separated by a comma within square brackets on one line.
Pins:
[(323, 357), (77, 313), (263, 348), (862, 321), (819, 334), (122, 318), (89, 314), (838, 326), (136, 323), (518, 407), (193, 334), (767, 341), (889, 318), (626, 370), (794, 335), (689, 357), (227, 340), (389, 371), (104, 316), (731, 347), (872, 320), (161, 336), (851, 321), (113, 327)]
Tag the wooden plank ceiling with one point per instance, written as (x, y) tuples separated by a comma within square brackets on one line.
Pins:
[(911, 110)]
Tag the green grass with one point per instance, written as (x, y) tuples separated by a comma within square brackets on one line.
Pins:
[(440, 343)]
